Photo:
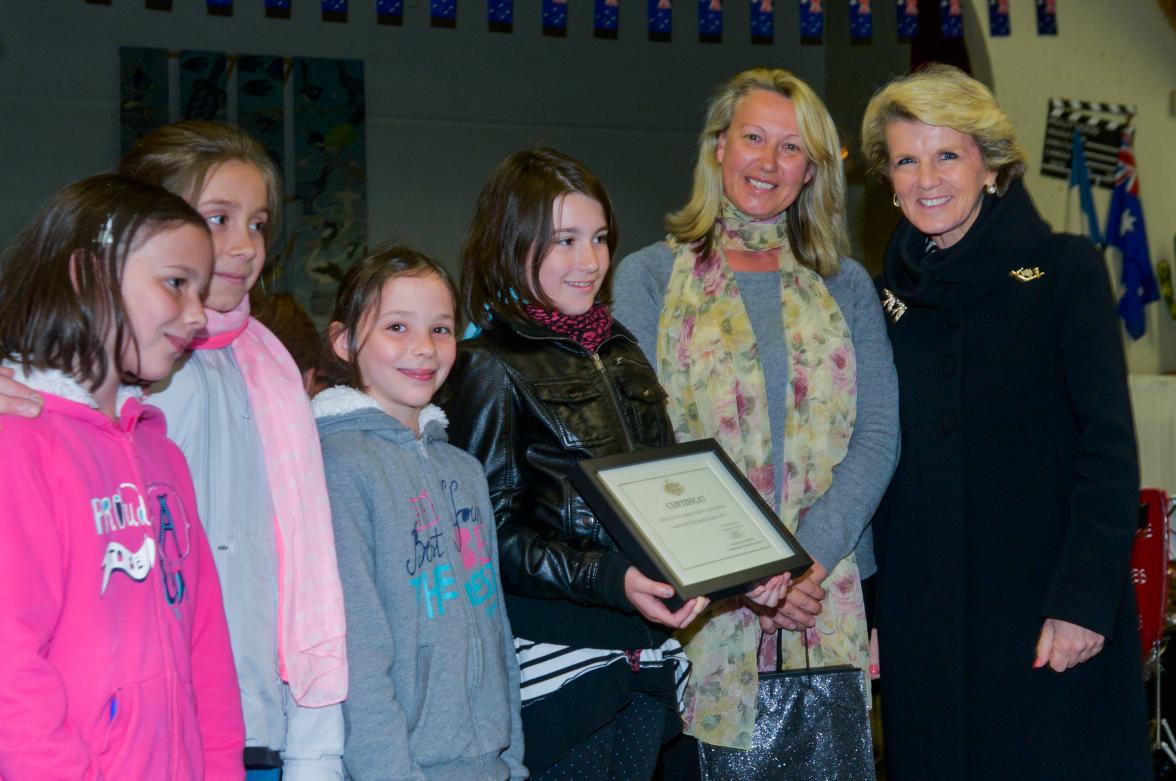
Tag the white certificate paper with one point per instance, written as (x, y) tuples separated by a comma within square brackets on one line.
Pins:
[(695, 517)]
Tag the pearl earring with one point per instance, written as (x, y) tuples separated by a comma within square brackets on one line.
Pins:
[(990, 189)]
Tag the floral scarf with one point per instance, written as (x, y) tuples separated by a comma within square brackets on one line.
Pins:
[(709, 363)]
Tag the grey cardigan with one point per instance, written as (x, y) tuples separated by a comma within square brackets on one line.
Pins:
[(433, 682), (836, 524)]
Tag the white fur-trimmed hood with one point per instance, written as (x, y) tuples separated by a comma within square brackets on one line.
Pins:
[(59, 383), (343, 400)]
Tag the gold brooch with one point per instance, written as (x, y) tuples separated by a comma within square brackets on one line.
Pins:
[(1026, 274), (892, 306)]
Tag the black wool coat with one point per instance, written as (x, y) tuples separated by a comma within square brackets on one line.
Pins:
[(1015, 500)]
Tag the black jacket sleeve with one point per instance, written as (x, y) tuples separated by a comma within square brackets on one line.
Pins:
[(488, 418), (1087, 584)]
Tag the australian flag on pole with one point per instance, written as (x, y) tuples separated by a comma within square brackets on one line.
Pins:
[(1125, 231)]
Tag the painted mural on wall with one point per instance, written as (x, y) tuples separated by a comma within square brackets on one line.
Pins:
[(325, 217), (327, 220), (261, 102), (143, 91), (204, 79)]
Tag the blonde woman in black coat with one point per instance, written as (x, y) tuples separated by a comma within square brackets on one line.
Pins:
[(1007, 624)]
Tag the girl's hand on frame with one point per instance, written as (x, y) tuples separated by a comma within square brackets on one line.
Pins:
[(769, 594), (646, 597), (1063, 645), (17, 399), (763, 600)]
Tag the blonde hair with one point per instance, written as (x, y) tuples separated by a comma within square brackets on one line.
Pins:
[(944, 96), (816, 219), (180, 157)]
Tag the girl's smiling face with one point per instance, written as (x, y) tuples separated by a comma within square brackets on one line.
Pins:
[(162, 282), (573, 269), (235, 203), (407, 347)]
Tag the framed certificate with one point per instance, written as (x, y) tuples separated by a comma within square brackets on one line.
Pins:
[(687, 516)]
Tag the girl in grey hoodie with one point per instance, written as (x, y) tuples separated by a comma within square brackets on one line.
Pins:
[(434, 679)]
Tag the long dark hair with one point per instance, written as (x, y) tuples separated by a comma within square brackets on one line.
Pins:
[(513, 227), (60, 286), (359, 296)]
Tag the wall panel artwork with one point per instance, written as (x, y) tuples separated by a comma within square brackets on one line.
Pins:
[(143, 93), (204, 79), (327, 220), (260, 102)]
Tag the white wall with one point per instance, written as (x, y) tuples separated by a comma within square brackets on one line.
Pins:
[(1119, 52)]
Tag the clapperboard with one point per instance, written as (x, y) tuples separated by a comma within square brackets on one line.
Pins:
[(1101, 125)]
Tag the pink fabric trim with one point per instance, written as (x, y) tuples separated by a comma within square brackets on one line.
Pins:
[(312, 653), (223, 328)]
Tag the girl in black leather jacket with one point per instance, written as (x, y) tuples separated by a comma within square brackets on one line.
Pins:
[(550, 380)]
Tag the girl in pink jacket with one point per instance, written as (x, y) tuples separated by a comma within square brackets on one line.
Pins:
[(115, 662)]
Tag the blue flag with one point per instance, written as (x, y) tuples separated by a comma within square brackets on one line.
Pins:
[(1081, 217), (1125, 230)]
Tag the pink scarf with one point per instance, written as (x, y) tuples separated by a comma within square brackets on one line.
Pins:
[(312, 655)]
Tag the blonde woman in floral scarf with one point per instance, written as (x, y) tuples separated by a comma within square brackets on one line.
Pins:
[(771, 341)]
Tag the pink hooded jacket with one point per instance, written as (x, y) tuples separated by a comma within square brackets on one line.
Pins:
[(114, 654)]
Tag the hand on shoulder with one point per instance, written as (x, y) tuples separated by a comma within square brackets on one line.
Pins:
[(18, 399)]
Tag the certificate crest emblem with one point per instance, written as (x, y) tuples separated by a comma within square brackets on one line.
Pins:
[(673, 488)]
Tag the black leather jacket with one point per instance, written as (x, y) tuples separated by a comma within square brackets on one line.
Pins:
[(529, 404)]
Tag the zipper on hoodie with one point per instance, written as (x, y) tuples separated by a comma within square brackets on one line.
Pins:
[(469, 612), (170, 671)]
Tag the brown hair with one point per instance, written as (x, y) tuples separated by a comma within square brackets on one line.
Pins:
[(359, 296), (182, 155), (60, 286), (513, 227), (285, 317)]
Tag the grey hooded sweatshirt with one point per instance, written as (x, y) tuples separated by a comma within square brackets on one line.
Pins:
[(434, 681)]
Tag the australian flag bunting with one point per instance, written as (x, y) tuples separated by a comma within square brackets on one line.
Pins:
[(1126, 232)]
